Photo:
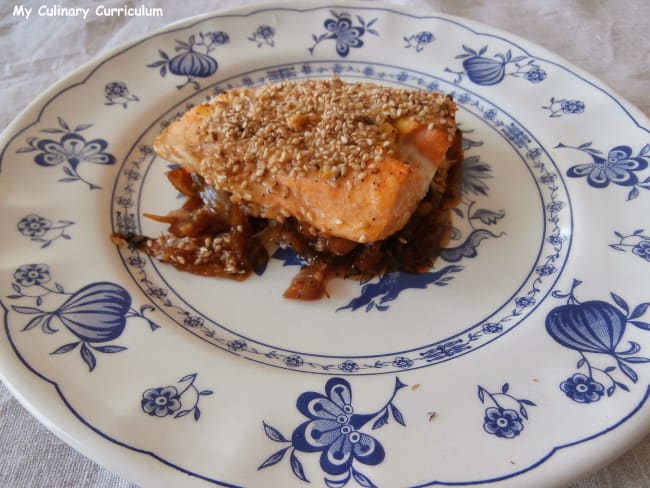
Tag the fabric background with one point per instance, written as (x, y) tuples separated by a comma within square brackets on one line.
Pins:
[(609, 39)]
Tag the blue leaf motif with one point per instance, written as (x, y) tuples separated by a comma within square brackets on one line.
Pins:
[(274, 458), (273, 433), (65, 348), (88, 357), (639, 310), (381, 421), (397, 415), (296, 467), (620, 302)]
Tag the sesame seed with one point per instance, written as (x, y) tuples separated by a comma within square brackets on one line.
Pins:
[(294, 128)]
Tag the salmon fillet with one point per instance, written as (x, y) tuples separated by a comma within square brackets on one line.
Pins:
[(351, 160)]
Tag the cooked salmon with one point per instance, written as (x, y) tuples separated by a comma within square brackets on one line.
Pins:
[(353, 160)]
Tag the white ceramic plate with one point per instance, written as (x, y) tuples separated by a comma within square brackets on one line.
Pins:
[(519, 359)]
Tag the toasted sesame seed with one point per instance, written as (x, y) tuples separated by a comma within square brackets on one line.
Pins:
[(295, 128)]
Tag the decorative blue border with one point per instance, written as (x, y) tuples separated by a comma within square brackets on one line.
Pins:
[(217, 482), (551, 189)]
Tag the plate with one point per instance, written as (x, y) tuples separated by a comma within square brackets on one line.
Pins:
[(520, 358)]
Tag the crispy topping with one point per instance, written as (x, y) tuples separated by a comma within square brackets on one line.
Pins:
[(322, 127)]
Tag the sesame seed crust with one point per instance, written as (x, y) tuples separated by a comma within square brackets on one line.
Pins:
[(324, 128)]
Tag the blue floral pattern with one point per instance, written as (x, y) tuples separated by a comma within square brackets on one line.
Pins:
[(618, 167), (334, 430), (558, 108), (166, 401), (419, 41), (480, 222), (638, 242), (95, 314), (487, 71), (505, 418), (194, 58), (117, 93), (42, 230), (595, 330), (344, 32), (263, 36), (70, 151)]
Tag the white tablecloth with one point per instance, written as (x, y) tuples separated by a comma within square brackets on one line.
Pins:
[(608, 38)]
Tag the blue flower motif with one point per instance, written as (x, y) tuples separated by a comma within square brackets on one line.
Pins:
[(368, 71), (464, 98), (332, 429), (402, 362), (402, 76), (556, 239), (642, 249), (70, 151), (534, 153), (157, 292), (136, 261), (502, 422), (237, 345), (132, 174), (522, 302), (548, 179), (344, 32), (34, 225), (492, 328), (160, 402), (117, 93), (535, 75), (433, 86), (218, 38), (582, 389), (306, 69), (293, 361), (618, 167), (146, 149), (490, 114), (32, 274), (424, 37), (555, 206), (516, 135), (116, 89), (545, 270), (572, 106), (74, 150), (348, 366), (419, 40), (124, 202), (263, 35), (193, 321)]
